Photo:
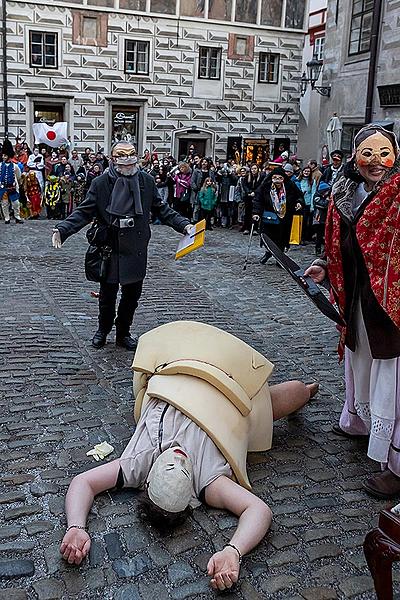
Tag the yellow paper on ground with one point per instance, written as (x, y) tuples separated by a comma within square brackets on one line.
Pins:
[(295, 234), (191, 241)]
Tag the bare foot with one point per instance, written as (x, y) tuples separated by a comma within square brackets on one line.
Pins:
[(313, 389), (75, 546)]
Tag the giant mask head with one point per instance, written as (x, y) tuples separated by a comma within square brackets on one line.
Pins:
[(124, 157), (376, 151)]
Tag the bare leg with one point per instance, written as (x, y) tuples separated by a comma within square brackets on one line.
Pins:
[(290, 396)]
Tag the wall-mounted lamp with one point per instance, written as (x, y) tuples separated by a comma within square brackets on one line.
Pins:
[(314, 68)]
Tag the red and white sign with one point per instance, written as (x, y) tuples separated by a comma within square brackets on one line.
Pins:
[(52, 135)]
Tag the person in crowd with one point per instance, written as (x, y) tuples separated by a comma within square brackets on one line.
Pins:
[(240, 194), (315, 170), (67, 184), (101, 160), (36, 163), (207, 197), (59, 168), (22, 155), (120, 200), (162, 183), (87, 153), (307, 185), (335, 169), (33, 194), (182, 455), (321, 203), (52, 197), (51, 161), (362, 264), (288, 168), (199, 175), (93, 172), (253, 182), (225, 177), (75, 161), (79, 189), (276, 202), (182, 178), (10, 181), (154, 168), (282, 158)]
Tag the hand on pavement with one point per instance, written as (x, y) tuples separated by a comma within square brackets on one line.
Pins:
[(223, 568), (56, 239), (75, 546), (316, 272)]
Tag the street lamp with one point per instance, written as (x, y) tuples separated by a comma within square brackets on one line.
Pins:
[(314, 68)]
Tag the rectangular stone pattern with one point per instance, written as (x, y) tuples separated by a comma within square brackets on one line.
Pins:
[(90, 76)]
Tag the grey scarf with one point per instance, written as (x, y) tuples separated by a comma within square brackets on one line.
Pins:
[(125, 197)]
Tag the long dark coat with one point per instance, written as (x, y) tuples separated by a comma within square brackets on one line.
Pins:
[(280, 233), (129, 244)]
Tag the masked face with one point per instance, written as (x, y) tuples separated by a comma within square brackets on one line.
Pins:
[(277, 180), (169, 482), (374, 157), (124, 158)]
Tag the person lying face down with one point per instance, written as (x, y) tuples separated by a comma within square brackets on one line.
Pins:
[(176, 455)]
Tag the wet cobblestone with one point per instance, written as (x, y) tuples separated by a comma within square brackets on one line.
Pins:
[(59, 397)]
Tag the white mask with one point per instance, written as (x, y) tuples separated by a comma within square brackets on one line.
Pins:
[(169, 482)]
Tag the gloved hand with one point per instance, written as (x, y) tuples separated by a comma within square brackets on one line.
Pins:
[(188, 229), (56, 239)]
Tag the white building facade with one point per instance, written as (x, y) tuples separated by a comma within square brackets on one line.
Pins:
[(165, 73)]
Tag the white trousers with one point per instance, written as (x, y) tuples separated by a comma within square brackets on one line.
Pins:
[(6, 210)]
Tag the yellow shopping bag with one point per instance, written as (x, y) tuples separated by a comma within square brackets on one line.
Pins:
[(295, 234)]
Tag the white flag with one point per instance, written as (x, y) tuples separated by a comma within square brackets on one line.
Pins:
[(54, 135)]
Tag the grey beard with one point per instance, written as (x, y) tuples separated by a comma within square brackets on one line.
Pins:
[(126, 170)]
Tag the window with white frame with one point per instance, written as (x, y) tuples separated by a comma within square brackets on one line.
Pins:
[(319, 45), (209, 63), (268, 67), (361, 26), (43, 50), (137, 57)]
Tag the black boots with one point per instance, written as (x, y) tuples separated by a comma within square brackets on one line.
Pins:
[(265, 258), (129, 342), (99, 339)]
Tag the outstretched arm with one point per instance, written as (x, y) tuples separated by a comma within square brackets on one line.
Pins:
[(81, 492), (254, 521)]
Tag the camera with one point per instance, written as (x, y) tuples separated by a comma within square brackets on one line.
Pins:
[(128, 222)]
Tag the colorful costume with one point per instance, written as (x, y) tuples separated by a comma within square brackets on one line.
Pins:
[(52, 197), (33, 194), (218, 381), (363, 264), (9, 189)]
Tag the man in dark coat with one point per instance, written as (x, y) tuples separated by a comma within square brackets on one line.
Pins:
[(335, 169), (122, 200)]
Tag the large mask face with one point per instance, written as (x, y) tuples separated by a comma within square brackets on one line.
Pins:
[(374, 157), (124, 158)]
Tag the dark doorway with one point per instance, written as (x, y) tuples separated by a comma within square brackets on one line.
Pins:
[(184, 143), (48, 113), (280, 145)]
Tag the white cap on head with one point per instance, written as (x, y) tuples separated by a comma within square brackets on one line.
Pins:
[(169, 482)]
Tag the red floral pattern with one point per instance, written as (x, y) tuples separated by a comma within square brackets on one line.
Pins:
[(378, 235)]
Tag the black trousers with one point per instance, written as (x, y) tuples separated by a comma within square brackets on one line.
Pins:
[(129, 300)]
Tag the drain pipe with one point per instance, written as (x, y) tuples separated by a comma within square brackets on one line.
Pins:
[(376, 22), (5, 89)]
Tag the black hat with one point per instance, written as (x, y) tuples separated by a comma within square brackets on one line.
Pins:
[(338, 153), (8, 149)]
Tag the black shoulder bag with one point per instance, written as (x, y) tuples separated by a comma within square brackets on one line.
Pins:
[(98, 255)]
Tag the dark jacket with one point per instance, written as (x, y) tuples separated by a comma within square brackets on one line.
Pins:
[(129, 244)]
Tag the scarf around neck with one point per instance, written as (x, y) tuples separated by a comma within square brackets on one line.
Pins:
[(125, 196), (278, 198)]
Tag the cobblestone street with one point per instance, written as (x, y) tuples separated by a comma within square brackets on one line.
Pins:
[(59, 397)]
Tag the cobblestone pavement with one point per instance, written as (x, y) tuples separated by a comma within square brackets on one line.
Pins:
[(59, 396)]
